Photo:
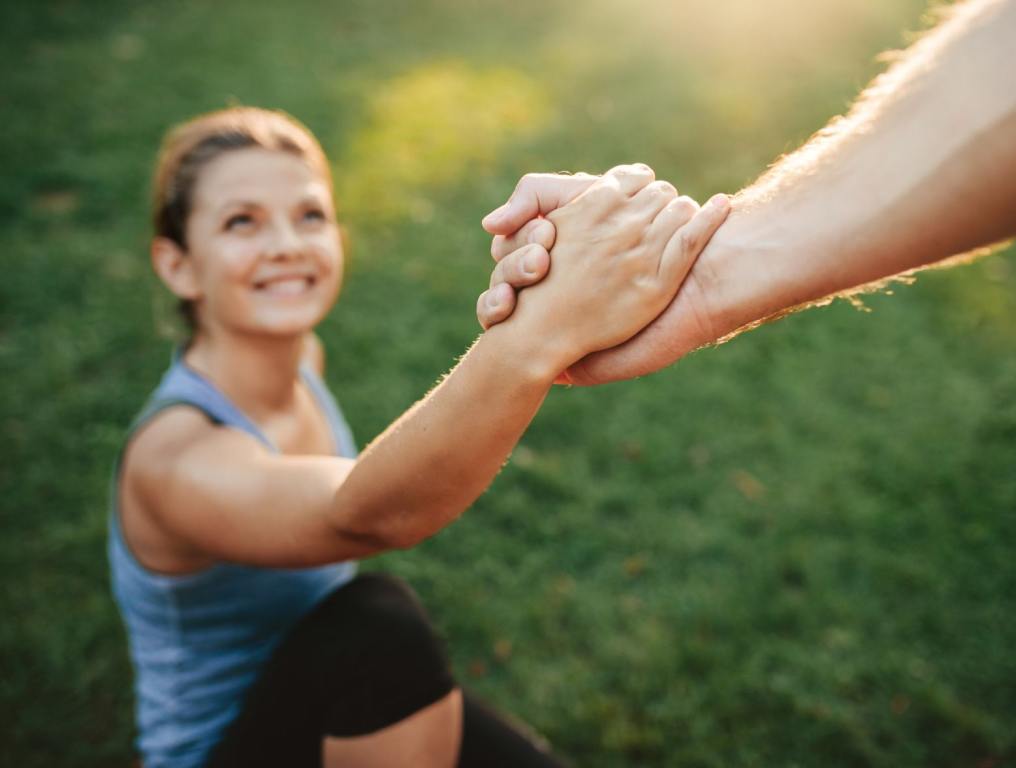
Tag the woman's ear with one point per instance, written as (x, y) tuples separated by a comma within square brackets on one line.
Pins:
[(175, 268)]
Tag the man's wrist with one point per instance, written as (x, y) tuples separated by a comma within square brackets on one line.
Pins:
[(735, 281), (761, 263)]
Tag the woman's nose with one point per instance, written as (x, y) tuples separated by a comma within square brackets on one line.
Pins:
[(285, 242)]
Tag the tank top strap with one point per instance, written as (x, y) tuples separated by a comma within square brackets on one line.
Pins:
[(340, 429), (182, 385)]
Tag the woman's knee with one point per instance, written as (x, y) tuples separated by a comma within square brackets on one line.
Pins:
[(377, 609), (383, 659)]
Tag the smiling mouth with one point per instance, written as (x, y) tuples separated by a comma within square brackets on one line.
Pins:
[(286, 286)]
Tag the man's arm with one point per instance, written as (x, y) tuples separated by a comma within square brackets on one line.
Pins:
[(921, 169)]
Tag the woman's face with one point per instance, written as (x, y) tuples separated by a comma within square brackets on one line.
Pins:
[(265, 245)]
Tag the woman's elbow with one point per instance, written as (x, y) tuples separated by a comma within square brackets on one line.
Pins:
[(375, 534)]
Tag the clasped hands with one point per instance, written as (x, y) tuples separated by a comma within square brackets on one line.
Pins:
[(642, 236)]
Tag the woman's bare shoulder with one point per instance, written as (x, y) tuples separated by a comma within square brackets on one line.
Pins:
[(168, 432), (173, 440), (165, 462)]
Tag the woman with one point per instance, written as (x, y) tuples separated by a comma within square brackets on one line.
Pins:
[(240, 507)]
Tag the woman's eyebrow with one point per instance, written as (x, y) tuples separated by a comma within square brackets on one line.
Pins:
[(236, 204)]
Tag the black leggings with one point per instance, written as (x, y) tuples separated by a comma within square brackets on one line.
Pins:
[(365, 658)]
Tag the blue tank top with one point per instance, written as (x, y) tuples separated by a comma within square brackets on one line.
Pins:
[(197, 641)]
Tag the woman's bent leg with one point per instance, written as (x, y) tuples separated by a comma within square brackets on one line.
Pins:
[(365, 659), (363, 681)]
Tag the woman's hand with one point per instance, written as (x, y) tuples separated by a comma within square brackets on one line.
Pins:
[(526, 264), (521, 216)]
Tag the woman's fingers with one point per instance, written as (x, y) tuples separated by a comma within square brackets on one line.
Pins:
[(613, 191), (495, 305), (536, 194), (674, 215), (525, 266), (632, 178), (652, 199), (539, 231), (688, 241), (518, 221)]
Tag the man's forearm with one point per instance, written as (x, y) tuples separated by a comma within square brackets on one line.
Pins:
[(922, 168)]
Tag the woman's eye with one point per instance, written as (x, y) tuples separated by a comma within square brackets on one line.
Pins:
[(314, 214), (239, 220)]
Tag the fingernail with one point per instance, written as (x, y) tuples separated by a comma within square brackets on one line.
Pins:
[(531, 262), (719, 200)]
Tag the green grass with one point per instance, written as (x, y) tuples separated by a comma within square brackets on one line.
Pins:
[(794, 550)]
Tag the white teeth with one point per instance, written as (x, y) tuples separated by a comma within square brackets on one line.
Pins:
[(290, 286)]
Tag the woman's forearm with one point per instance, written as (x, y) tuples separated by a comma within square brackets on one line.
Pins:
[(625, 245), (423, 471)]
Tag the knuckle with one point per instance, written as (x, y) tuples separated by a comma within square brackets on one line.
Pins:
[(635, 169), (535, 260), (686, 240), (528, 231), (605, 191), (662, 188), (513, 267), (527, 182), (683, 208), (686, 204)]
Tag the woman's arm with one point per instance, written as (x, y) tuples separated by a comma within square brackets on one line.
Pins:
[(628, 244), (218, 494)]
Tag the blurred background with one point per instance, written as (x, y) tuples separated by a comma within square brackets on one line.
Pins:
[(793, 550)]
